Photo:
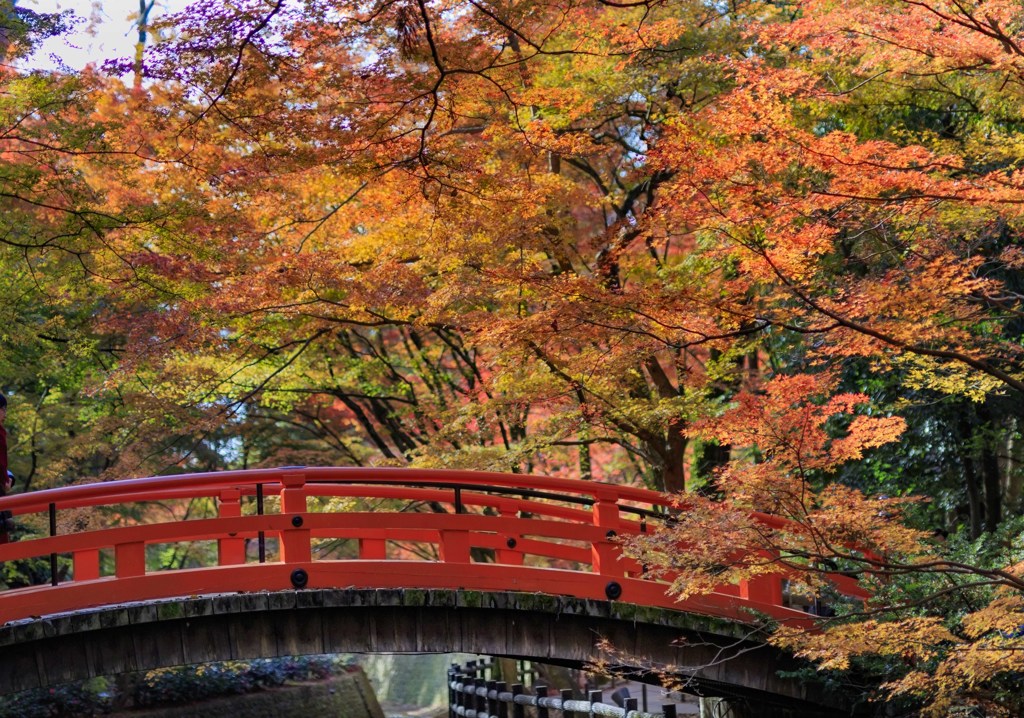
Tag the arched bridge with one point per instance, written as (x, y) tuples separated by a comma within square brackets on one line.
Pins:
[(302, 560)]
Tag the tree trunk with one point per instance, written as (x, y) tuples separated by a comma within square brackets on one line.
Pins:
[(672, 452), (674, 457), (990, 469), (1013, 467), (145, 8), (971, 482), (993, 489)]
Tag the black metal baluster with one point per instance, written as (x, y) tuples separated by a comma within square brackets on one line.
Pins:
[(259, 512), (54, 580)]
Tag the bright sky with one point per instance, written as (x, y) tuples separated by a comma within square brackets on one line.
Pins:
[(108, 30)]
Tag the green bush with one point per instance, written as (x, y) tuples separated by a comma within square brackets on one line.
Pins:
[(86, 698), (168, 686), (189, 683)]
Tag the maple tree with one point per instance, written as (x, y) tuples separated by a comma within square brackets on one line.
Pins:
[(410, 327), (863, 182), (764, 253)]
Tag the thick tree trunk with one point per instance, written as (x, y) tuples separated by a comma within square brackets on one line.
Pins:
[(145, 8), (971, 480), (672, 451), (993, 490), (674, 458), (989, 461), (1013, 465)]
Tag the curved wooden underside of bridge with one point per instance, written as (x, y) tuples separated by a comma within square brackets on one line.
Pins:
[(715, 655)]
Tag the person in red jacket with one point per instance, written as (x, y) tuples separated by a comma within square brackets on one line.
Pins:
[(5, 477)]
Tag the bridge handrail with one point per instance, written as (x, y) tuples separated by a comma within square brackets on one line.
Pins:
[(573, 523), (426, 491), (211, 484)]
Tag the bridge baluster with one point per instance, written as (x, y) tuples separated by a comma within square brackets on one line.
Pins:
[(373, 549), (86, 565), (605, 553), (230, 551), (295, 547), (455, 547), (764, 589), (510, 555), (130, 559)]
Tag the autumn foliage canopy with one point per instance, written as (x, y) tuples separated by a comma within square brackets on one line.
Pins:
[(764, 255)]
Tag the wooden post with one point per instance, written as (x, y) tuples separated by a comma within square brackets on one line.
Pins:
[(452, 713), (763, 589), (373, 549), (455, 547), (492, 700), (604, 552), (593, 697), (542, 692), (230, 551), (566, 696), (461, 699), (501, 687), (480, 692), (86, 565), (295, 546), (511, 555), (518, 711), (130, 559)]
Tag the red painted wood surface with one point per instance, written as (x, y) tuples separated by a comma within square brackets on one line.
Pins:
[(408, 529)]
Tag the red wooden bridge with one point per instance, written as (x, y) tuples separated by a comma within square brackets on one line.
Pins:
[(405, 529)]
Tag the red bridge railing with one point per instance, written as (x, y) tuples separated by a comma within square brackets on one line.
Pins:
[(277, 529)]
